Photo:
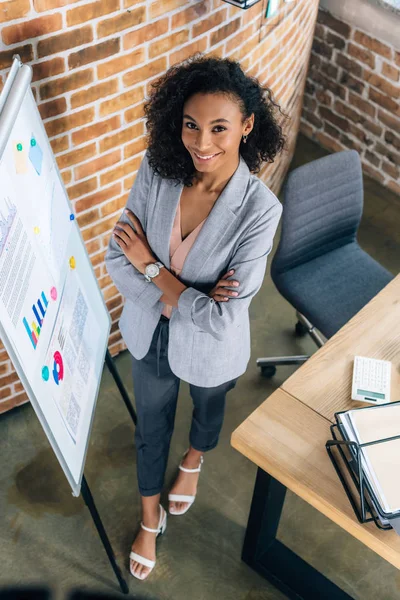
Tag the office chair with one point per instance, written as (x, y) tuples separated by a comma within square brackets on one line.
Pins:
[(319, 267)]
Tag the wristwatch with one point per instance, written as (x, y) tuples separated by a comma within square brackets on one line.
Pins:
[(152, 271)]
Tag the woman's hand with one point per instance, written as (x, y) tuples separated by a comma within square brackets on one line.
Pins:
[(222, 292), (133, 242)]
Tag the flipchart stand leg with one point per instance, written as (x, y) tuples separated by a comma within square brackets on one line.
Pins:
[(88, 498), (113, 370)]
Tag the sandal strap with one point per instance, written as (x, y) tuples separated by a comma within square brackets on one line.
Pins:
[(197, 470), (181, 498), (189, 470), (160, 523), (148, 528), (142, 560)]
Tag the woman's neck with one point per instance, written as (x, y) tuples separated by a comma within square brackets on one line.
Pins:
[(216, 181)]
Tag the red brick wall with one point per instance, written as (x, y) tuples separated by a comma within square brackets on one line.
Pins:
[(93, 62), (352, 97)]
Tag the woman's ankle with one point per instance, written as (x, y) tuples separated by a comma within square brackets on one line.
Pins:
[(151, 511), (193, 457)]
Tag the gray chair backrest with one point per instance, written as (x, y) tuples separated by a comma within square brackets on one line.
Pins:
[(322, 208)]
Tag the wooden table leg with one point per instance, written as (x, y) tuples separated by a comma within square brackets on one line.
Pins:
[(268, 556)]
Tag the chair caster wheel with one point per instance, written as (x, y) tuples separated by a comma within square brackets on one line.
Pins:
[(300, 329), (268, 371)]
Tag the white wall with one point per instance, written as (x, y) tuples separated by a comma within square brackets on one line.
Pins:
[(381, 23)]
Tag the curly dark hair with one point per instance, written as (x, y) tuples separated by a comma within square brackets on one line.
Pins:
[(207, 75)]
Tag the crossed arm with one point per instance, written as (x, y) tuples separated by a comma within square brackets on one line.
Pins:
[(212, 313), (132, 240)]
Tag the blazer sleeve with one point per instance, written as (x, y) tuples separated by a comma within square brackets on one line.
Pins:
[(249, 262), (128, 280)]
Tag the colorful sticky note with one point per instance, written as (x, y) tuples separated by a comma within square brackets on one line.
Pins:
[(272, 8), (53, 293), (45, 373), (36, 155), (20, 160), (72, 262), (36, 230)]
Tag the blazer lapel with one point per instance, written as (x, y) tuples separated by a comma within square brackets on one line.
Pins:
[(217, 225), (161, 221), (214, 230)]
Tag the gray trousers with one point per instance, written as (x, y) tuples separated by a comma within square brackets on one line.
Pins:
[(156, 393)]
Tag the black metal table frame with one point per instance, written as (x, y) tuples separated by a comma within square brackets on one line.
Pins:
[(264, 553)]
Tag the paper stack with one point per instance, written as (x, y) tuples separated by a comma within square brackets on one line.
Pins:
[(376, 430)]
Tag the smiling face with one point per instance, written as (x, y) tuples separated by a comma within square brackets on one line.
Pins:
[(212, 130)]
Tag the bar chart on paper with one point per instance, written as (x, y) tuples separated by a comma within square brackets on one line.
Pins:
[(39, 311)]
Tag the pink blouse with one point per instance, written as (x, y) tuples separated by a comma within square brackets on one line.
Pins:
[(179, 249)]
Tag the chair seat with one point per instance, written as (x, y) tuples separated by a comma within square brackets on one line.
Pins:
[(332, 288)]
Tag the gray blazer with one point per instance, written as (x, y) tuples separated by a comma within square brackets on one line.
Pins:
[(209, 342)]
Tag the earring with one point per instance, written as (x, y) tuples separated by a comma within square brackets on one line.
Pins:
[(244, 139)]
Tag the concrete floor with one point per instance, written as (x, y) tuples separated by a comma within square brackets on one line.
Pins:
[(47, 536)]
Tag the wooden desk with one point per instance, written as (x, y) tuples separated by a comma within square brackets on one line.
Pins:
[(324, 382), (285, 437)]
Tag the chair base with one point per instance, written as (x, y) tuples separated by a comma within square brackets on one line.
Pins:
[(268, 364), (274, 361)]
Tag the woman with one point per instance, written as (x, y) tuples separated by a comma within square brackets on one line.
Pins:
[(195, 218)]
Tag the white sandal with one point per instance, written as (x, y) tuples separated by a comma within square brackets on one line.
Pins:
[(162, 525), (181, 497)]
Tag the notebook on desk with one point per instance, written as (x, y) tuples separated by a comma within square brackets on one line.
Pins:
[(381, 461)]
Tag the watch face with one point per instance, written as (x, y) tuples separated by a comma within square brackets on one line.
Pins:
[(152, 270)]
